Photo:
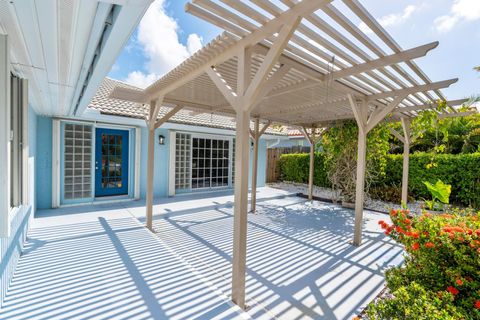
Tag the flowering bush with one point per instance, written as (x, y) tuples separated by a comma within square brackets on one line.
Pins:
[(441, 275)]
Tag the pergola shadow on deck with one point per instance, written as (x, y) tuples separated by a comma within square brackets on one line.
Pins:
[(98, 262), (299, 262)]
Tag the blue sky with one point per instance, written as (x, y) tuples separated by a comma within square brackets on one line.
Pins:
[(167, 35)]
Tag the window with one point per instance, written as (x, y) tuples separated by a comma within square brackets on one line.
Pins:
[(210, 163), (17, 156), (182, 161)]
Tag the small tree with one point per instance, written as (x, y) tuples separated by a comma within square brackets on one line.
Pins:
[(340, 147)]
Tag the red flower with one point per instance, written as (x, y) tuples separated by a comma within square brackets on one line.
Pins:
[(399, 229), (477, 304), (429, 245), (459, 282), (452, 290), (415, 235), (415, 246)]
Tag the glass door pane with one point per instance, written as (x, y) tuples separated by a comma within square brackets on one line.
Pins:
[(209, 163)]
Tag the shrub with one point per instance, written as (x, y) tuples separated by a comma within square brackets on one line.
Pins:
[(441, 275), (461, 171), (294, 167)]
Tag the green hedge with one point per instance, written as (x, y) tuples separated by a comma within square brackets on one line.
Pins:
[(294, 167), (462, 171)]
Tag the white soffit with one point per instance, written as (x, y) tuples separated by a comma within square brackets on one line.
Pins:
[(65, 48)]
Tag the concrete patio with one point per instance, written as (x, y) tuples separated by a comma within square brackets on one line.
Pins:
[(98, 262)]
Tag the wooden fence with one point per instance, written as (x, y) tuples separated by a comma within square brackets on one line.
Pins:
[(273, 171)]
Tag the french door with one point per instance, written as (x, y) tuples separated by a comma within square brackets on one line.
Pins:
[(210, 163), (111, 162)]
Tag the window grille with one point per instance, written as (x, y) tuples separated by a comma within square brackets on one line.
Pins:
[(210, 161), (78, 161)]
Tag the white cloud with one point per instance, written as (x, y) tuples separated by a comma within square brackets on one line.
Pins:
[(461, 10), (140, 79), (158, 37), (394, 19), (194, 43)]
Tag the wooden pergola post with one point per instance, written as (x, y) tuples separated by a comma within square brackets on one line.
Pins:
[(154, 123), (256, 134), (249, 92), (406, 139), (406, 158), (313, 137), (366, 122)]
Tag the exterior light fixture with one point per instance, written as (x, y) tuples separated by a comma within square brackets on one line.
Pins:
[(161, 140)]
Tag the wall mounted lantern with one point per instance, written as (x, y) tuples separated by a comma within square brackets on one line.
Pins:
[(161, 140)]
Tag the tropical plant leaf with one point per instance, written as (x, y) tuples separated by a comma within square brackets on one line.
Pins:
[(439, 191)]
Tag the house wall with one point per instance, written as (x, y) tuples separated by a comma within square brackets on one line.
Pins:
[(10, 247), (44, 163)]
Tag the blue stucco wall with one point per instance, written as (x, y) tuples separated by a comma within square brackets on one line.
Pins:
[(43, 179), (44, 163), (11, 247)]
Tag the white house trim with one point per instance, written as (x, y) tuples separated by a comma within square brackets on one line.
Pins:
[(138, 142), (56, 163), (4, 136)]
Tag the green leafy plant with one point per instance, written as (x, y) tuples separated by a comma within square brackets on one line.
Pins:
[(440, 278), (439, 192), (340, 150), (461, 171)]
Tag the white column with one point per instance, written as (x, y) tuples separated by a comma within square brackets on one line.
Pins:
[(242, 155), (256, 139)]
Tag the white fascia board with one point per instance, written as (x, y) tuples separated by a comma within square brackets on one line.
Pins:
[(125, 23), (94, 115), (4, 136)]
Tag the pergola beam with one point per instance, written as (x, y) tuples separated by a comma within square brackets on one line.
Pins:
[(300, 9), (259, 81), (431, 105), (167, 116), (454, 115), (385, 61), (222, 85), (412, 90)]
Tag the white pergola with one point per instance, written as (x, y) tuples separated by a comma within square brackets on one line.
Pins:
[(302, 64)]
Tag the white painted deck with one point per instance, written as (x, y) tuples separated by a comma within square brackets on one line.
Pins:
[(98, 262)]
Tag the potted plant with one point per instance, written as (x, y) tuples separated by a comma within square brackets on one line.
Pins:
[(440, 193)]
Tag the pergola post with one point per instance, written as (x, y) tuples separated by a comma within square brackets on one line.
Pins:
[(256, 134), (242, 158), (313, 137), (366, 122), (249, 92), (253, 199), (361, 116), (152, 124), (406, 158)]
